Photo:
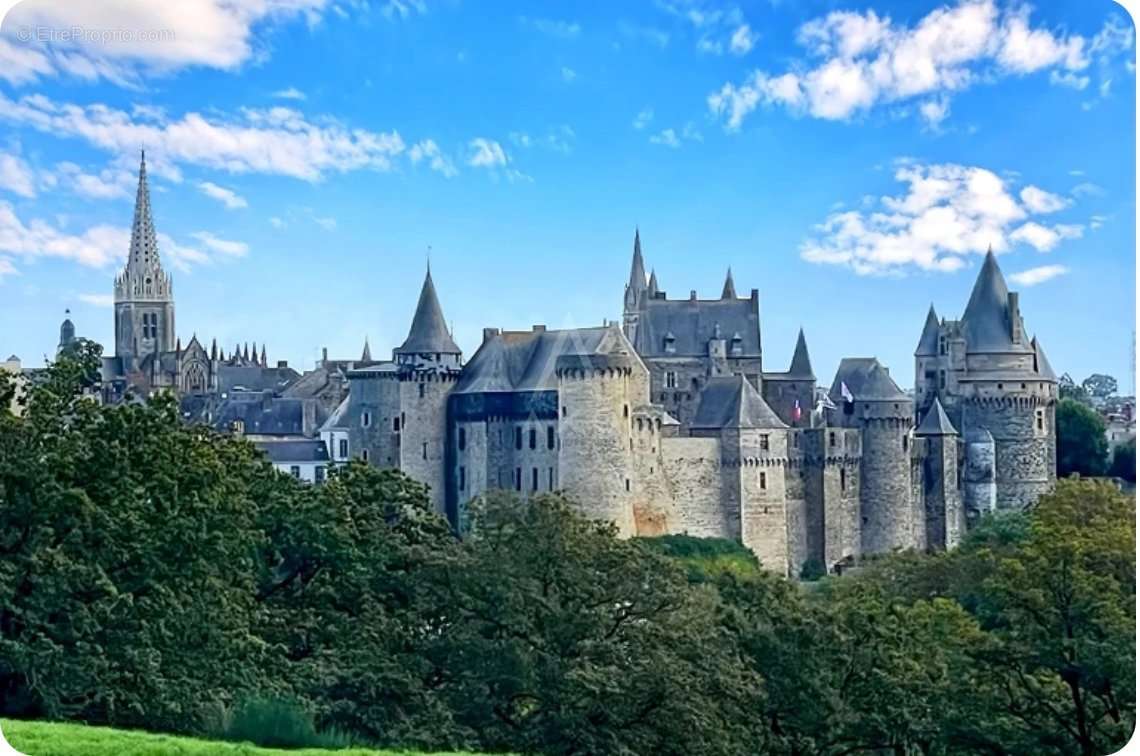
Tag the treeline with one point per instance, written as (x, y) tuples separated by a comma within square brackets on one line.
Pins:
[(158, 576)]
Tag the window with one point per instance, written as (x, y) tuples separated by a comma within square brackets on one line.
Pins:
[(319, 474), (670, 379), (343, 449), (364, 454), (831, 438), (763, 481), (421, 391), (533, 438), (842, 479), (403, 420), (1039, 420), (795, 440), (518, 478), (627, 484), (462, 478), (295, 471), (550, 437), (366, 419), (941, 379), (1000, 387), (942, 345), (764, 442), (424, 452), (905, 439), (462, 439), (534, 478), (550, 479), (395, 425), (238, 427), (563, 410), (518, 438)]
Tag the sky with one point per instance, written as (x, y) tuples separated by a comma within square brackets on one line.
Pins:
[(850, 160)]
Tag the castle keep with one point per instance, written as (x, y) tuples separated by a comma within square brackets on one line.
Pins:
[(666, 422)]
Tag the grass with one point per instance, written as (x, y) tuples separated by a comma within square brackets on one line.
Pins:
[(65, 739)]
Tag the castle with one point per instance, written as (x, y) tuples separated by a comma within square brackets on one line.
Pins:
[(663, 423)]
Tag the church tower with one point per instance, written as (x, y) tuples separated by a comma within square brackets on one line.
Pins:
[(144, 294), (635, 291)]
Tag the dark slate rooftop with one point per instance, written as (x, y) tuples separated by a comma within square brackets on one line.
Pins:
[(987, 317), (272, 416), (339, 418), (428, 333), (693, 322), (527, 360), (801, 361), (866, 379), (936, 423), (730, 401), (1041, 362), (288, 450), (928, 342), (232, 378)]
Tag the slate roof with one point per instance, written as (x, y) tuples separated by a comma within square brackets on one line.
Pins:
[(286, 450), (233, 378), (987, 318), (527, 360), (936, 423), (338, 419), (693, 322), (730, 401), (428, 333), (1041, 362), (637, 267), (729, 290), (277, 416), (801, 361), (866, 379), (928, 342)]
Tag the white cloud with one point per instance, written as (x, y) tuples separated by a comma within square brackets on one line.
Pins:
[(643, 119), (934, 112), (290, 93), (1034, 276), (667, 137), (150, 38), (1040, 201), (98, 300), (228, 197), (559, 139), (742, 40), (328, 224), (16, 176), (428, 150), (276, 222), (858, 61), (276, 141), (110, 183), (403, 8), (1068, 79), (568, 74), (486, 153), (554, 28), (1043, 238), (1097, 221), (1087, 189), (947, 213), (221, 246)]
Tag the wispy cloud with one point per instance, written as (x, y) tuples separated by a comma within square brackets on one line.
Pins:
[(98, 300), (290, 93), (16, 176), (553, 27), (221, 246), (643, 119), (569, 74), (228, 197), (486, 153), (428, 150), (1039, 275)]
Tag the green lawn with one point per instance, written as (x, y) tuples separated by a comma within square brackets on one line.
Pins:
[(59, 739)]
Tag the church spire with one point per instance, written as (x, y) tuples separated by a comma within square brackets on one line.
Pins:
[(653, 286), (366, 355), (637, 267), (264, 361), (143, 278), (729, 291)]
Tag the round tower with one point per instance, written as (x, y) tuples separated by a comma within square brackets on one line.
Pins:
[(595, 462), (1020, 415), (885, 491)]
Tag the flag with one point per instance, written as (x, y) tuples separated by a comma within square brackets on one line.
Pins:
[(824, 402), (797, 413), (846, 392)]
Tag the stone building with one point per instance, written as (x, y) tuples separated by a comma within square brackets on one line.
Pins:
[(668, 423)]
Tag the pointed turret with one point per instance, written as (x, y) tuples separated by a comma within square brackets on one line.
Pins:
[(366, 355), (936, 423), (253, 352), (264, 361), (245, 352), (928, 342), (653, 287), (178, 346), (1041, 362), (213, 350), (729, 290), (991, 320), (143, 277), (66, 330), (428, 334), (801, 362)]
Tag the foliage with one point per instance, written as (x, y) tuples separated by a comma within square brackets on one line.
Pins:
[(705, 558), (279, 723), (1099, 385), (61, 739), (1082, 447), (1067, 388), (812, 569), (1124, 461)]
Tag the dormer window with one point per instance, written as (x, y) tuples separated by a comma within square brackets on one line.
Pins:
[(737, 344), (670, 343)]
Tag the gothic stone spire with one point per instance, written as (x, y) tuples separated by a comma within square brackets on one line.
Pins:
[(143, 278), (637, 267), (729, 291)]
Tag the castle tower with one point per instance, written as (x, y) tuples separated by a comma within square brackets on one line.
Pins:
[(144, 294), (945, 517), (635, 290), (428, 364), (792, 394), (66, 333)]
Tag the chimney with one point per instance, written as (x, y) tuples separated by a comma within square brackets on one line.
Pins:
[(538, 328), (1014, 318), (692, 295), (755, 296), (266, 400), (282, 364), (489, 333), (324, 356)]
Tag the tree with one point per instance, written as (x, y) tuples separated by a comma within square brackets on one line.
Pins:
[(1124, 461), (1099, 385), (1068, 389), (1082, 446)]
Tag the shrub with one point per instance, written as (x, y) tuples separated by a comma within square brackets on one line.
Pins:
[(280, 723), (812, 569)]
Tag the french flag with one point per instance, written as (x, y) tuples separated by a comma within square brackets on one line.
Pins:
[(797, 413)]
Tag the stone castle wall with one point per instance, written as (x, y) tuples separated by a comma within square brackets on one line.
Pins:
[(424, 431), (1025, 456)]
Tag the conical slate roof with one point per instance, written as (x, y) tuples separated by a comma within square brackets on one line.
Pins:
[(428, 333), (936, 423), (1041, 362), (731, 402), (729, 290), (653, 287), (928, 342), (637, 268), (801, 362), (866, 379), (987, 316), (366, 355)]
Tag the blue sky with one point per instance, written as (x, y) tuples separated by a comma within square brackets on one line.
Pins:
[(851, 160)]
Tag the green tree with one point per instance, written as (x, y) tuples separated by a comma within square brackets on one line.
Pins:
[(1082, 446), (1069, 389), (1124, 461), (1099, 385)]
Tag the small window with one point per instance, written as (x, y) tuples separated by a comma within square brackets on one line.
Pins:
[(462, 439), (462, 478), (319, 474), (842, 479), (364, 454), (905, 440), (533, 438), (795, 440), (550, 437), (550, 479), (941, 379), (295, 471), (518, 438), (421, 391), (831, 438), (563, 410), (534, 479), (403, 420), (764, 442), (343, 448), (627, 484), (518, 478), (424, 452), (366, 419), (670, 379), (625, 410), (1000, 386), (395, 425), (763, 481)]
